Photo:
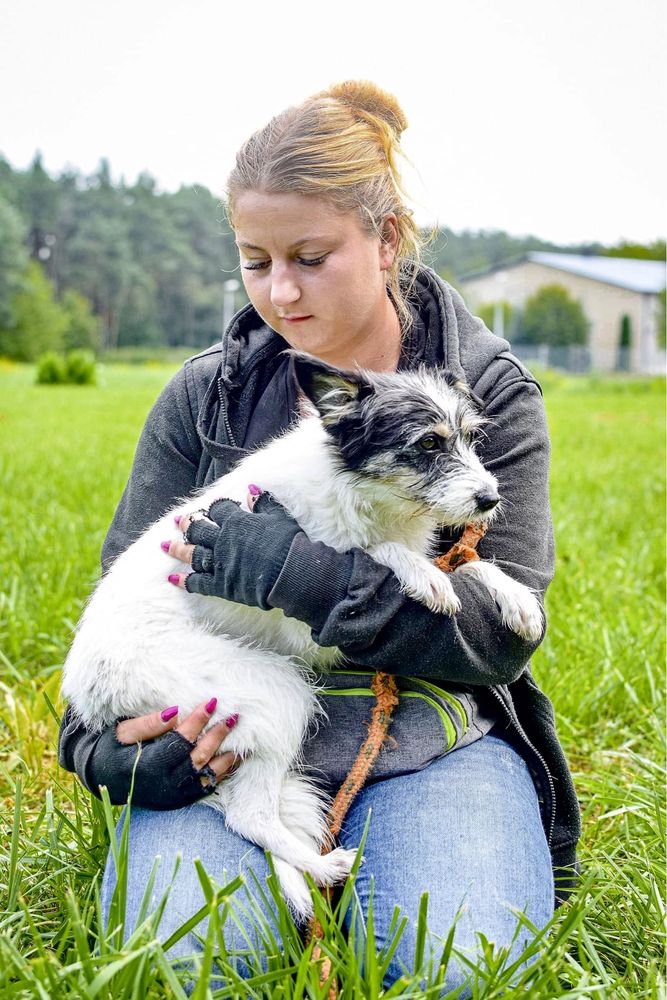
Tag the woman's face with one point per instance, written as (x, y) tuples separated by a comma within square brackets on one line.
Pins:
[(316, 276)]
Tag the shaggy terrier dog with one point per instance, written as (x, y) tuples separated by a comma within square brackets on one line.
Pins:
[(383, 463)]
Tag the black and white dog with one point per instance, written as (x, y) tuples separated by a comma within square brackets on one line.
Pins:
[(386, 461)]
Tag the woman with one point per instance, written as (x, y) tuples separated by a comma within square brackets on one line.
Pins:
[(329, 255)]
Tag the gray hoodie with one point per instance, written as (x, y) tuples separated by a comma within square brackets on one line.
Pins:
[(237, 395)]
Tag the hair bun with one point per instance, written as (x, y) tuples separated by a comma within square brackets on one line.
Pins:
[(367, 96)]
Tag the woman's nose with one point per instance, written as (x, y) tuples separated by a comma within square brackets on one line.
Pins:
[(284, 289)]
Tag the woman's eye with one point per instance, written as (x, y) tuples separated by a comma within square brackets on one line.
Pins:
[(255, 265), (312, 261), (430, 442)]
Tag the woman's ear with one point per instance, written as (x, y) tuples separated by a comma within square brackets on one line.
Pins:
[(389, 241)]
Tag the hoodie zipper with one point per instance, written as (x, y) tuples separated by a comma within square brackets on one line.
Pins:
[(519, 729), (225, 416), (254, 362)]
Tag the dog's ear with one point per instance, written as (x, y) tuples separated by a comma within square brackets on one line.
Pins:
[(456, 382), (334, 392)]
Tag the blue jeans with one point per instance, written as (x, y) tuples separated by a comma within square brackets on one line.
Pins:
[(466, 829)]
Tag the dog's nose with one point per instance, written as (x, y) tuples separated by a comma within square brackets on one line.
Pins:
[(487, 499)]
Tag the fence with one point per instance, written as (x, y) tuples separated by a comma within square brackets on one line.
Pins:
[(580, 359)]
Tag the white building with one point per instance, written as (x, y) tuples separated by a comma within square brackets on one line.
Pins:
[(608, 289)]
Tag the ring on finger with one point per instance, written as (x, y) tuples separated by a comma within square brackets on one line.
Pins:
[(195, 515)]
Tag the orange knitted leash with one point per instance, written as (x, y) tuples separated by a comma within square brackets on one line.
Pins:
[(386, 699)]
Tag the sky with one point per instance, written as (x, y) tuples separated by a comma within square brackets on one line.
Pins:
[(533, 116)]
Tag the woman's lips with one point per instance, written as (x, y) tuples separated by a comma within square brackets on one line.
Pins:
[(295, 319)]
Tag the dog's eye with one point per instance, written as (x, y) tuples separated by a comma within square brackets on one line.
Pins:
[(430, 442)]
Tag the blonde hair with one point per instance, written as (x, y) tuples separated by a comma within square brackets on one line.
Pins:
[(341, 144)]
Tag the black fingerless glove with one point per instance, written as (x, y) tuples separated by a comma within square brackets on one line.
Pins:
[(239, 555), (164, 777)]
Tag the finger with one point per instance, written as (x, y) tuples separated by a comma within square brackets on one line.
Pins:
[(221, 510), (224, 764), (254, 493), (192, 724), (147, 727), (183, 522), (210, 742), (178, 549), (202, 532), (202, 559), (195, 583), (266, 502)]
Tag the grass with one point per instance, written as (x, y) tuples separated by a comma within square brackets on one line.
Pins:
[(64, 457)]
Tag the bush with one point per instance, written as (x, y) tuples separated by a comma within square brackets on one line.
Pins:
[(50, 369), (552, 317), (80, 368), (76, 368), (39, 320)]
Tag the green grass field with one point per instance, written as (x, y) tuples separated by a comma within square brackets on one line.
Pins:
[(64, 457)]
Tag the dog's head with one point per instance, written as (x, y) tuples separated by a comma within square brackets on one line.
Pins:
[(412, 431)]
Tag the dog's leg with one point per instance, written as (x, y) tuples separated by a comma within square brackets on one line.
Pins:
[(520, 609), (251, 802), (418, 577), (302, 809)]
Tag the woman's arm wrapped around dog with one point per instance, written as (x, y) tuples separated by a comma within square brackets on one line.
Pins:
[(362, 610), (351, 601)]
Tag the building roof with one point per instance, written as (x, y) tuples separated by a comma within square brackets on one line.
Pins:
[(646, 276), (638, 275)]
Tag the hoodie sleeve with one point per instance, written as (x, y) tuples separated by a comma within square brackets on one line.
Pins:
[(354, 603), (164, 468)]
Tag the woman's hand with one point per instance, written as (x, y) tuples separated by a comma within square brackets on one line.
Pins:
[(235, 554), (210, 769), (167, 764)]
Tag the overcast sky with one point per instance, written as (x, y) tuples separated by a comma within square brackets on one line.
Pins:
[(532, 116)]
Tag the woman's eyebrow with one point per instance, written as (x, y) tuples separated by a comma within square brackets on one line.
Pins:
[(293, 246)]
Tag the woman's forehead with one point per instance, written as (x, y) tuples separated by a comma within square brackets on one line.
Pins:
[(288, 218)]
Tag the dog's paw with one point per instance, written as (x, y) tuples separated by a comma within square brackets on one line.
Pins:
[(435, 591), (519, 608), (418, 577), (335, 866), (522, 614)]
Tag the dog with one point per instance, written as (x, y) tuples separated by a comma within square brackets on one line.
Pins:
[(381, 463)]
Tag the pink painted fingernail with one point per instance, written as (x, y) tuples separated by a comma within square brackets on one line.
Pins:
[(169, 713), (210, 705), (174, 578), (165, 546), (232, 720), (253, 490)]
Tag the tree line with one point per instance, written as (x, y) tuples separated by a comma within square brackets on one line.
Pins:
[(89, 263)]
